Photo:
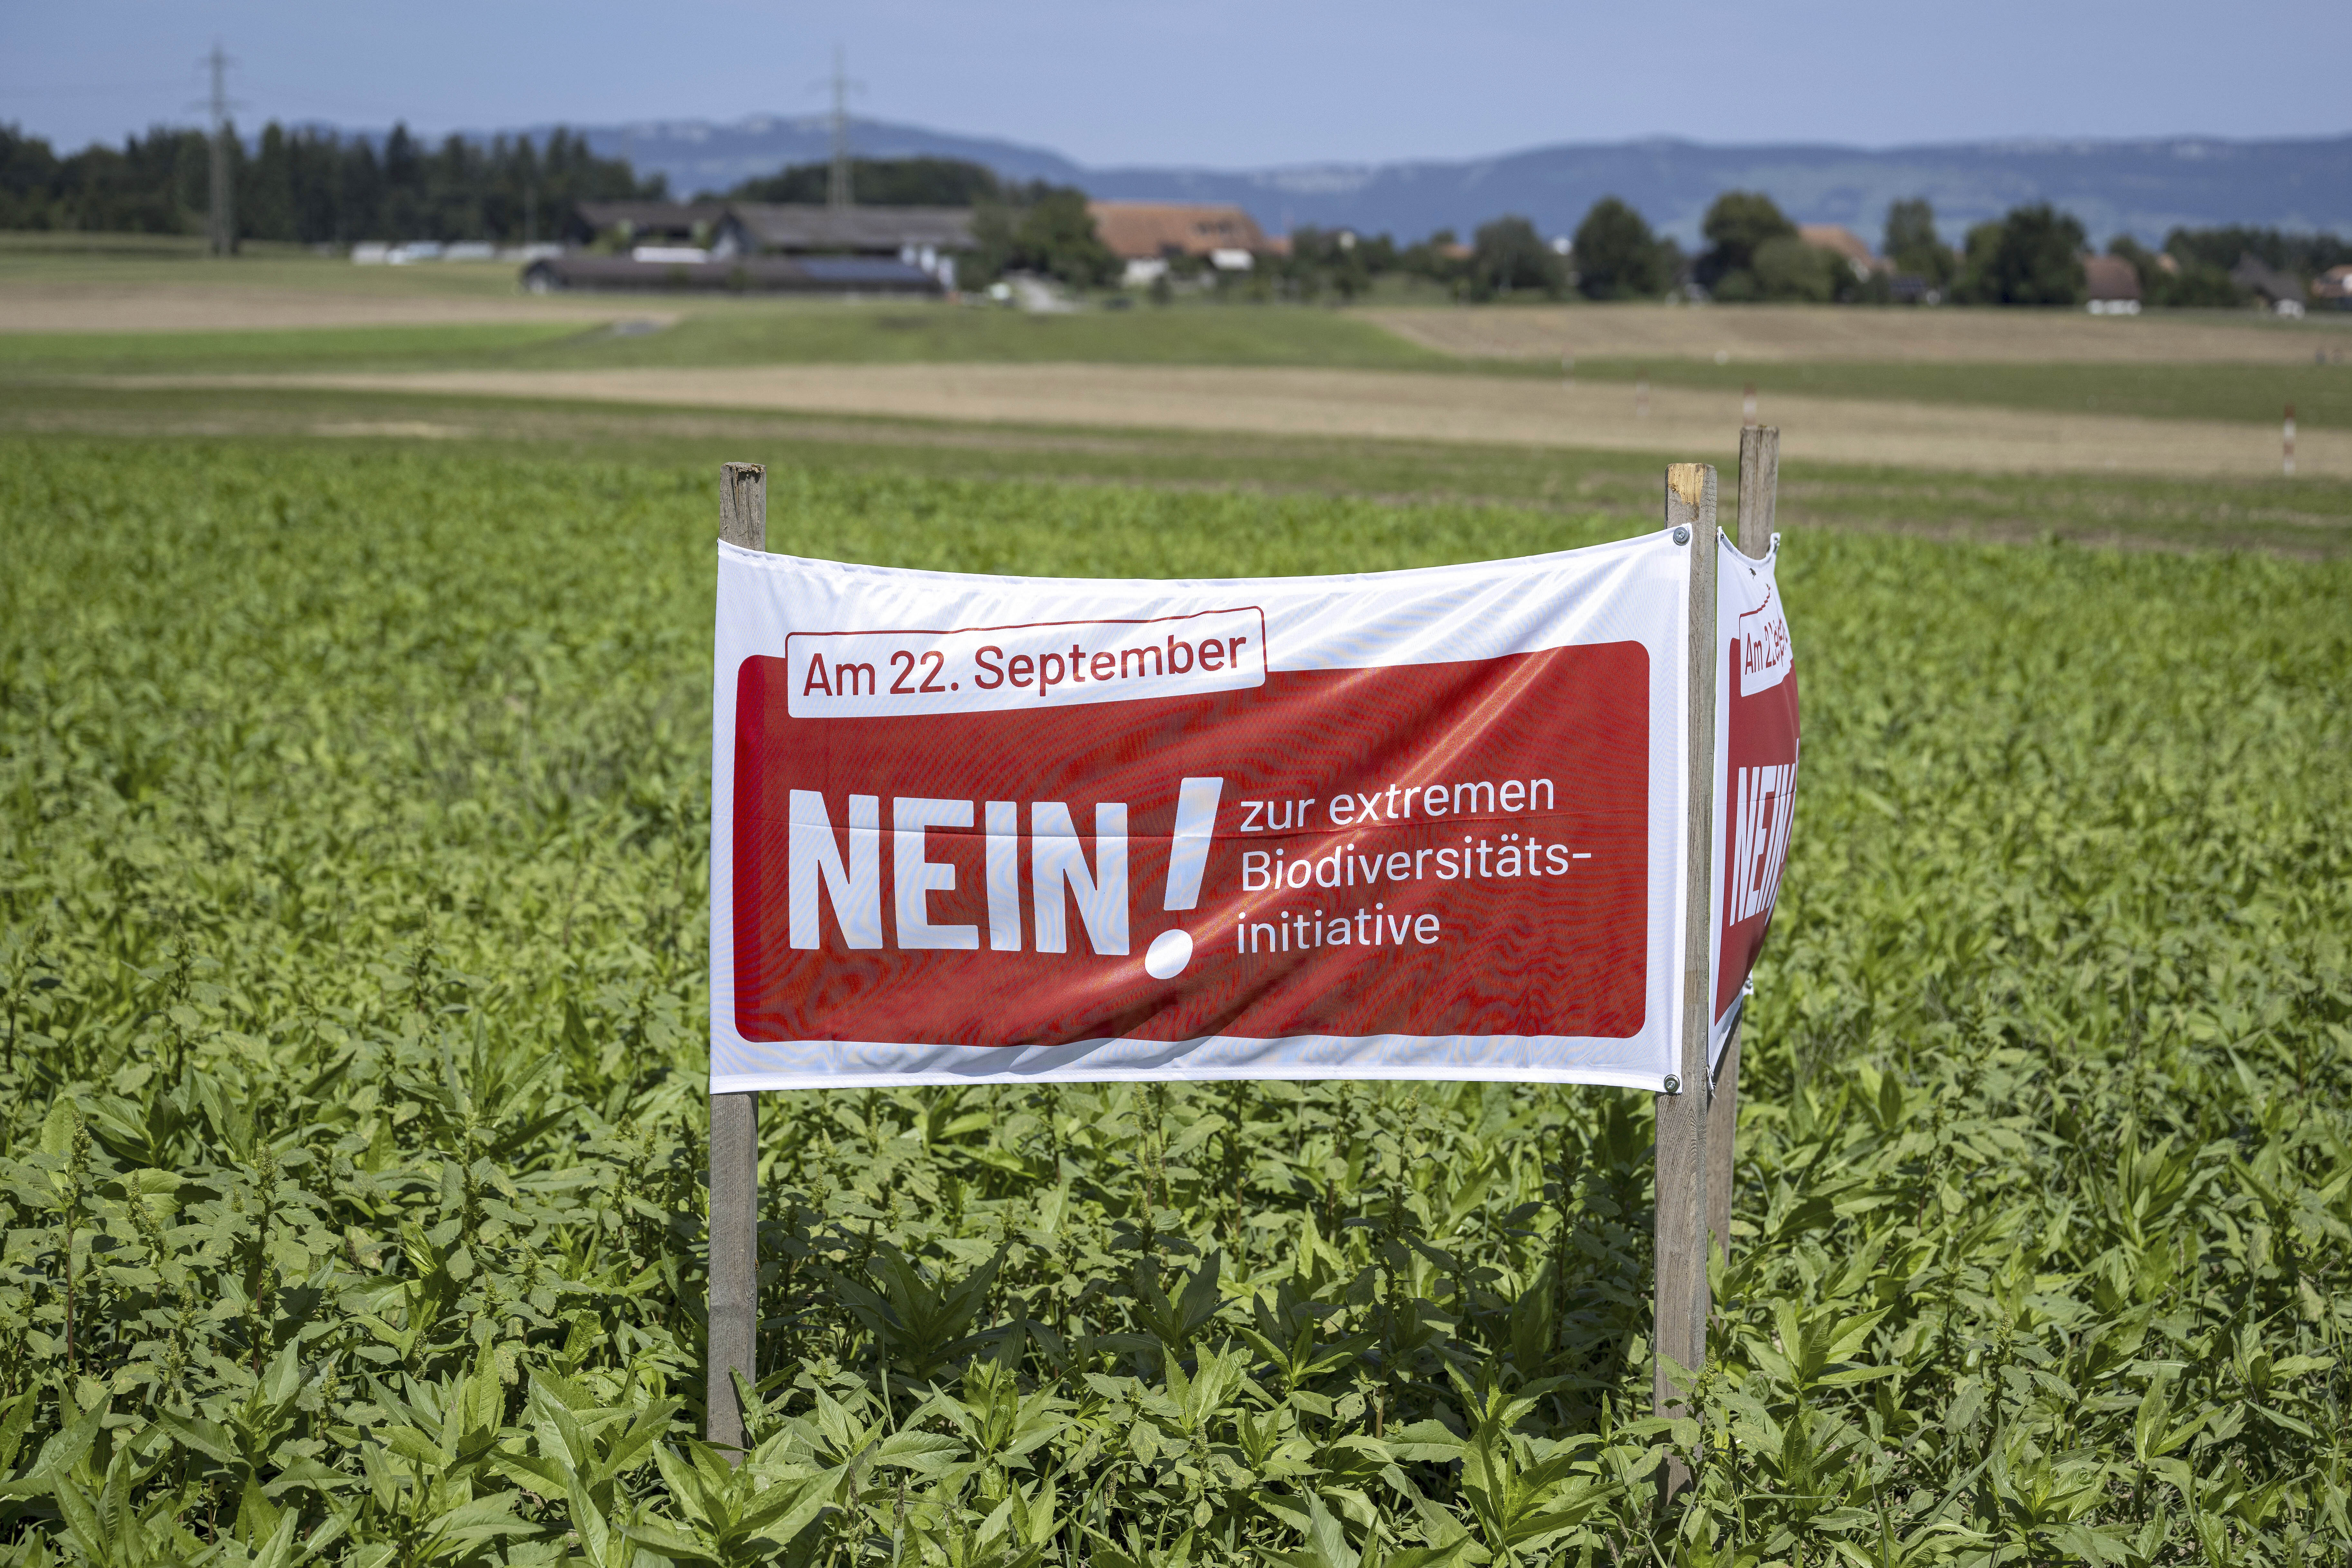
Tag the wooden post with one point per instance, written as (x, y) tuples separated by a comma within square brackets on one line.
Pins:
[(1681, 1303), (1759, 479), (734, 1295)]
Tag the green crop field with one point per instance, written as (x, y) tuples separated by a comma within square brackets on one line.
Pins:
[(354, 816)]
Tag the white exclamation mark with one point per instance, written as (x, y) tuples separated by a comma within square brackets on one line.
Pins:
[(1188, 857)]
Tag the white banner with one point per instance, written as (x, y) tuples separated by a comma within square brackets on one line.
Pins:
[(1413, 824), (1755, 773)]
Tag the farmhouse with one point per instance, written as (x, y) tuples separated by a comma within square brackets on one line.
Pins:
[(2282, 293), (2333, 287), (1147, 234), (2112, 286), (761, 245), (806, 228), (1844, 243)]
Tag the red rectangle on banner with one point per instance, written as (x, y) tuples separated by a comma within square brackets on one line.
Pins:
[(1430, 849)]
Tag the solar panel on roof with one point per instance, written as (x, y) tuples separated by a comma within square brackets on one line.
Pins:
[(859, 269)]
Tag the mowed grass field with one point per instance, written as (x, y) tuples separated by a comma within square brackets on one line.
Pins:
[(2320, 394), (353, 818), (656, 334)]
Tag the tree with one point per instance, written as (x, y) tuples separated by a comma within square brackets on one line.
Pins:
[(1434, 258), (1508, 256), (1912, 244), (154, 184), (1785, 268), (1740, 223), (883, 182), (1337, 259), (265, 197), (1617, 257), (2034, 255), (2146, 265), (29, 179), (2308, 254), (2203, 286), (2167, 280), (314, 185), (402, 215), (1054, 235)]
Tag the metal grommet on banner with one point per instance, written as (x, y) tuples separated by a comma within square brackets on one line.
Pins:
[(1673, 1084), (1682, 536)]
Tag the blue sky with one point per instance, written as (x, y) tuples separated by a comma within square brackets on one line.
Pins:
[(1231, 83)]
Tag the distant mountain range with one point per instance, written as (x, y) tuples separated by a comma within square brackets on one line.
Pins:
[(2144, 187)]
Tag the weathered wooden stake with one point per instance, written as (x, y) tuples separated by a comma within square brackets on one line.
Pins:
[(734, 1298), (1760, 481), (1680, 1303)]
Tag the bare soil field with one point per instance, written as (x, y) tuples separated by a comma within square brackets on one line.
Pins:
[(1765, 333), (1479, 410)]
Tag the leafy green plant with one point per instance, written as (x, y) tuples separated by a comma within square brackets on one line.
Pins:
[(352, 917)]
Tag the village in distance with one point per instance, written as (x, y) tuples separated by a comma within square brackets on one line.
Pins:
[(572, 219)]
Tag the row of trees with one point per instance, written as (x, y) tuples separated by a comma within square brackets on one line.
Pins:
[(315, 186), (885, 183), (2031, 255), (2034, 255)]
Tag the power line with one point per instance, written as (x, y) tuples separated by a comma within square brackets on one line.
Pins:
[(221, 221), (837, 192)]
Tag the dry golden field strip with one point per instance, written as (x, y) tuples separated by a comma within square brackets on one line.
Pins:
[(1491, 410), (1786, 333)]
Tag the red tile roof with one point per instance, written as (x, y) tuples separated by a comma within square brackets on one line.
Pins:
[(1138, 231), (1842, 240), (2111, 278)]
